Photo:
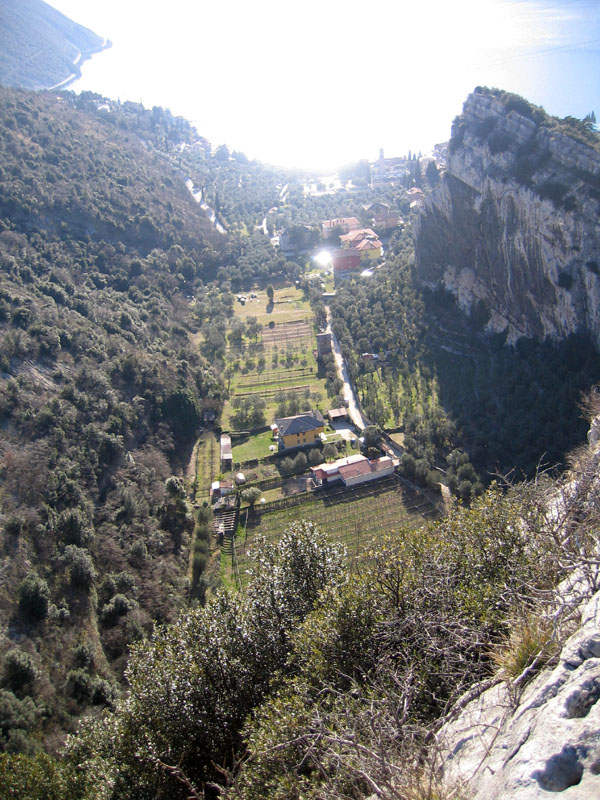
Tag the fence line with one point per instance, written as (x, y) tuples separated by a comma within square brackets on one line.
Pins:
[(342, 495)]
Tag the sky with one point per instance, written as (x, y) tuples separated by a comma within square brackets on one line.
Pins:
[(321, 83)]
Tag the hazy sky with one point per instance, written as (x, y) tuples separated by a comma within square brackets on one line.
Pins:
[(321, 83)]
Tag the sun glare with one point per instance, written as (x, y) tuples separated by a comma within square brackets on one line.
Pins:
[(320, 84)]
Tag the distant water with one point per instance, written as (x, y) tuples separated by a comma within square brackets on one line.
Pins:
[(314, 88)]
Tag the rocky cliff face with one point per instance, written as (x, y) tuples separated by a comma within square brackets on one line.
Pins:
[(524, 743), (514, 225)]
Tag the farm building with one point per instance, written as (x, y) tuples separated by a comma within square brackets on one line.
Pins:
[(352, 470), (300, 429), (220, 489), (337, 414), (326, 473), (363, 471), (323, 344), (226, 452)]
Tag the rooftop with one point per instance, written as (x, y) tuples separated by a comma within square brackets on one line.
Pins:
[(368, 244), (340, 222), (334, 466), (300, 423), (365, 467), (363, 233)]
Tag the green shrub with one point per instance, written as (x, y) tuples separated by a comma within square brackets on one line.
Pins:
[(79, 685), (18, 669), (34, 597), (72, 526), (81, 566), (15, 714), (32, 777), (83, 655), (118, 606)]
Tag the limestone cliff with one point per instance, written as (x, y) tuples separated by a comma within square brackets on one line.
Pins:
[(514, 225), (548, 742)]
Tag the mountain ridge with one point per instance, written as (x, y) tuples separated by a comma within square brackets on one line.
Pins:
[(42, 48), (513, 225)]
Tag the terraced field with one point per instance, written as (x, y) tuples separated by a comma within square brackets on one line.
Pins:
[(280, 358)]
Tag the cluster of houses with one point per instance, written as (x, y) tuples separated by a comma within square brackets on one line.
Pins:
[(303, 430), (388, 170), (360, 247)]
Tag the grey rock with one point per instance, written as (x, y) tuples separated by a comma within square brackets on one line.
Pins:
[(546, 742)]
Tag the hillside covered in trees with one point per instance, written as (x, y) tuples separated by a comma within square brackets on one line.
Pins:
[(101, 394), (40, 46)]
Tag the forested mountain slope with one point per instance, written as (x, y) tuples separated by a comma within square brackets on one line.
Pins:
[(39, 46), (101, 394)]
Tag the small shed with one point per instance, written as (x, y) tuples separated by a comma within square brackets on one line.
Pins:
[(336, 414), (226, 452), (220, 489)]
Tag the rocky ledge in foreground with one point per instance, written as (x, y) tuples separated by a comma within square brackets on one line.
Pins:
[(548, 743)]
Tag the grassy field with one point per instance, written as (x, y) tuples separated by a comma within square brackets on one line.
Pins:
[(358, 519), (288, 305), (248, 448)]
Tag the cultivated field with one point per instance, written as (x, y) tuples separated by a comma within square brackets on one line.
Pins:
[(279, 358), (208, 464), (358, 518)]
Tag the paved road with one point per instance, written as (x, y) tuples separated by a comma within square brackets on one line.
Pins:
[(354, 411), (198, 198)]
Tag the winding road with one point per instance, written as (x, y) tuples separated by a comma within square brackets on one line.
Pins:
[(198, 197), (358, 418), (354, 412)]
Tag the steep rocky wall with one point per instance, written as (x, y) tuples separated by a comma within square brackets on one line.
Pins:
[(527, 743), (515, 222)]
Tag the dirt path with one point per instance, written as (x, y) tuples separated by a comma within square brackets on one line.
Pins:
[(354, 411)]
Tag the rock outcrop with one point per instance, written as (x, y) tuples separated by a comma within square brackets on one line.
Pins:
[(549, 742), (525, 743), (514, 225)]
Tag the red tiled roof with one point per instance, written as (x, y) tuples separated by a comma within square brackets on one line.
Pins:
[(364, 467), (363, 233), (354, 470), (368, 244)]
